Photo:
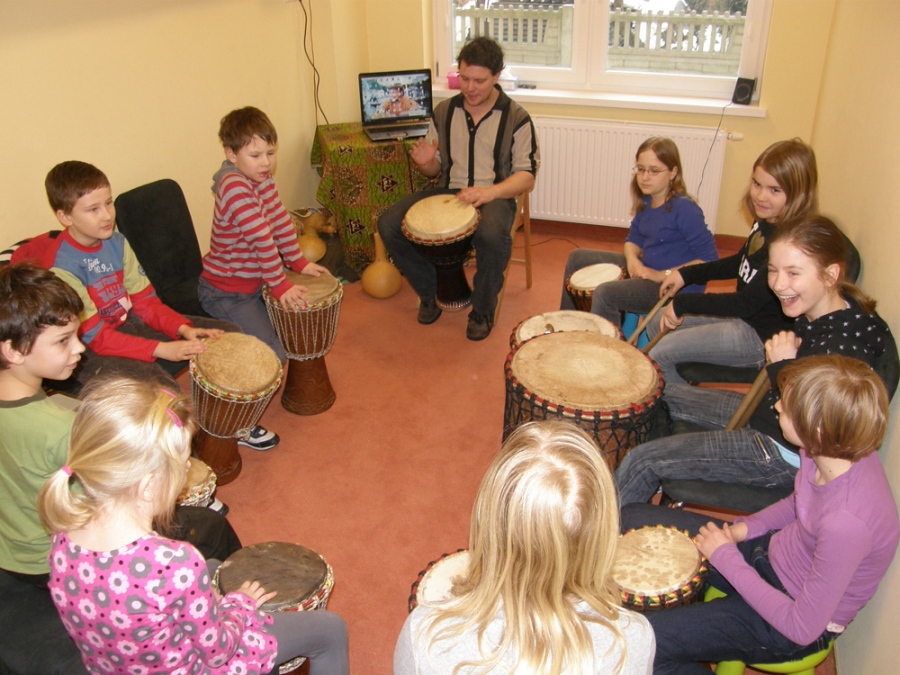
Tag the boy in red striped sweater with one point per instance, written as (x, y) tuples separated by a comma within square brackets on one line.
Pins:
[(251, 233)]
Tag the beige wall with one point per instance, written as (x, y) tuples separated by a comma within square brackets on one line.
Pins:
[(138, 88), (857, 138)]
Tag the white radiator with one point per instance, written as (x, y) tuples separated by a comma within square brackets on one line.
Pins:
[(586, 168)]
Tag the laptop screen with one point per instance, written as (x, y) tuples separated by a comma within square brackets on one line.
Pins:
[(395, 97)]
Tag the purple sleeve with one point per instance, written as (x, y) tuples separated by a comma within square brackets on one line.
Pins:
[(775, 517), (842, 543)]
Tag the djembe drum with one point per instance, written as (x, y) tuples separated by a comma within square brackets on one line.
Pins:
[(200, 484), (301, 577), (434, 583), (602, 384), (582, 283), (562, 321), (231, 384), (658, 567), (441, 228), (307, 335)]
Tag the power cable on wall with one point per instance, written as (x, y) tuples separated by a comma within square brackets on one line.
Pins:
[(311, 57)]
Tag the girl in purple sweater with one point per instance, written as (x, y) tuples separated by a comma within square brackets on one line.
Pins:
[(132, 600), (797, 572)]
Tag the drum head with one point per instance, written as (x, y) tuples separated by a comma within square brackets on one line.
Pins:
[(440, 218), (654, 561), (318, 289), (588, 278), (198, 475), (564, 321), (438, 581), (294, 571), (585, 371), (238, 364)]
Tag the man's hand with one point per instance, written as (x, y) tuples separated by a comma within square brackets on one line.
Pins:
[(423, 153), (476, 196)]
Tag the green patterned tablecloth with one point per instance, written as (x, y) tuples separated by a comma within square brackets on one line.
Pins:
[(360, 179)]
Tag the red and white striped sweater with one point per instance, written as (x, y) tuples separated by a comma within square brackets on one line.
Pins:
[(250, 228)]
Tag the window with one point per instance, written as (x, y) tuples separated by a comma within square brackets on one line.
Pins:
[(663, 47)]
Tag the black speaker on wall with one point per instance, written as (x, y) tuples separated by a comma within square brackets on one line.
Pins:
[(743, 90)]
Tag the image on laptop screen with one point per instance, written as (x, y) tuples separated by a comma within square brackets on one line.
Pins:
[(398, 96)]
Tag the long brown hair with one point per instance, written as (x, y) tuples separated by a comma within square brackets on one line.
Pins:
[(793, 166), (666, 152), (820, 239)]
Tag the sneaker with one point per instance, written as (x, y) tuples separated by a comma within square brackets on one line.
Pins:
[(479, 326), (219, 507), (260, 439), (429, 312)]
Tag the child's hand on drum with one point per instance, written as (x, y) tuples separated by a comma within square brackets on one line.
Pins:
[(423, 153), (669, 321), (255, 592), (191, 333), (782, 346), (294, 298), (179, 350), (710, 537), (314, 270), (674, 282)]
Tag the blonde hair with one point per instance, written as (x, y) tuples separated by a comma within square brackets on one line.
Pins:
[(666, 152), (123, 430), (837, 405), (543, 536)]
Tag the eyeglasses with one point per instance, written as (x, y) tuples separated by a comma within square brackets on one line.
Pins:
[(653, 171)]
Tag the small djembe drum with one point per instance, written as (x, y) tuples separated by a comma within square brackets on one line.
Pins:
[(602, 384), (434, 583), (231, 384), (582, 283), (441, 228), (301, 577), (200, 484), (562, 321), (658, 567), (307, 335)]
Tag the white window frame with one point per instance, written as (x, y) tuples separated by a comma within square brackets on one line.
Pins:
[(588, 71)]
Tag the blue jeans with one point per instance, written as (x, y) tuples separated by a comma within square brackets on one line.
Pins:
[(724, 342), (246, 310), (493, 246), (745, 456), (614, 297), (725, 629)]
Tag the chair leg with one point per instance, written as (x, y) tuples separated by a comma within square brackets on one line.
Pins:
[(526, 227)]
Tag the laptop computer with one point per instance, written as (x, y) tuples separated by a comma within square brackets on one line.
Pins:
[(395, 104)]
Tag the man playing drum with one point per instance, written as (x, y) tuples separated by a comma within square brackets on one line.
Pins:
[(504, 159)]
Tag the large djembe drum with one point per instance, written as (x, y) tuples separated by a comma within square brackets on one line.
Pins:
[(301, 578), (658, 567), (441, 228), (199, 486), (231, 384), (600, 383), (307, 335), (582, 283), (562, 321)]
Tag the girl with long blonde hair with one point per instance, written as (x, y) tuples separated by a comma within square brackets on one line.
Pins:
[(538, 596)]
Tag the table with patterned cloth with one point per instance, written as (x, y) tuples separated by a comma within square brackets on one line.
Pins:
[(360, 179)]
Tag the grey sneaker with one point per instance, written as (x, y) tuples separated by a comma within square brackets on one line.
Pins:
[(429, 312), (260, 439), (479, 327)]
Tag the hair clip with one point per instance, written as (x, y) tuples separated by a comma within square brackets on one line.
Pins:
[(166, 391), (66, 470), (175, 418)]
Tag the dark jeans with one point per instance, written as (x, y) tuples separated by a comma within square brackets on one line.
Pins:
[(493, 246), (725, 629), (93, 364)]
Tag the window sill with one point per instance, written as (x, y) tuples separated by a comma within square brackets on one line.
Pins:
[(595, 99)]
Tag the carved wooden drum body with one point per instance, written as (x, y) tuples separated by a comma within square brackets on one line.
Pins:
[(307, 335), (441, 228), (231, 384)]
